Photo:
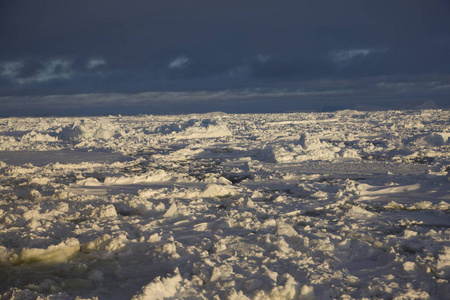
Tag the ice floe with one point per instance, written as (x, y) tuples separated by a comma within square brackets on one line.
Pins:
[(336, 205)]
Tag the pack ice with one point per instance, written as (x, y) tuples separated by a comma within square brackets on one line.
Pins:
[(343, 205)]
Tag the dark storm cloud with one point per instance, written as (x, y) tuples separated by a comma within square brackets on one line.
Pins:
[(111, 46), (386, 91)]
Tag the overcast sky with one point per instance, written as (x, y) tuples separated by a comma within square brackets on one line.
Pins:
[(163, 56)]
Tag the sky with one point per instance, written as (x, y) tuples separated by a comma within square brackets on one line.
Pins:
[(91, 57)]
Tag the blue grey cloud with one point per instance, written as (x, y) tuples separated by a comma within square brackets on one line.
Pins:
[(112, 46), (24, 72), (346, 56)]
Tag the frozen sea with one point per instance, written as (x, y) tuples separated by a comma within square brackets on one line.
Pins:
[(338, 205)]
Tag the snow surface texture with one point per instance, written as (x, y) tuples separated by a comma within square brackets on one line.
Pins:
[(344, 205)]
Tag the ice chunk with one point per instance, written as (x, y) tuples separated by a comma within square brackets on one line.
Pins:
[(161, 288), (289, 289), (285, 229), (347, 113), (409, 266), (89, 182), (156, 176), (193, 128), (85, 130), (306, 293), (171, 211), (33, 136), (309, 142), (357, 212), (221, 272), (105, 246), (443, 262), (104, 211), (438, 138), (54, 254), (4, 255), (215, 190), (253, 284), (34, 195), (349, 153)]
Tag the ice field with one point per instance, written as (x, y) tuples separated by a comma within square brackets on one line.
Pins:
[(341, 205)]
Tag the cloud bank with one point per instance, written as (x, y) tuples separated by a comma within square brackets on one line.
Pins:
[(381, 92), (23, 72), (345, 56), (106, 47)]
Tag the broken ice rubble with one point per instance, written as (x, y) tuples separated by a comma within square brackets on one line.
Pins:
[(344, 205)]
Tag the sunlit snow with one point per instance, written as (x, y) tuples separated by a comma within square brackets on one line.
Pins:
[(343, 205)]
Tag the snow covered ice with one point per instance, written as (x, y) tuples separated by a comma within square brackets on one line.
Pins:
[(343, 205)]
